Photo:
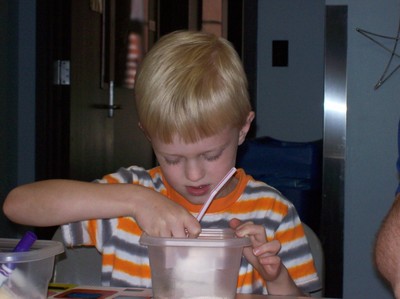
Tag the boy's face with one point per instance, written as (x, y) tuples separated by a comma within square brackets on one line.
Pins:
[(194, 169)]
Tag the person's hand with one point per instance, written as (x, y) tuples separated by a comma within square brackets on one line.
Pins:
[(262, 254), (158, 216)]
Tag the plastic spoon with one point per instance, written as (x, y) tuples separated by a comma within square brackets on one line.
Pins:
[(214, 193)]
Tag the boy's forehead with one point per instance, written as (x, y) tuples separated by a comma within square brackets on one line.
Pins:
[(203, 144)]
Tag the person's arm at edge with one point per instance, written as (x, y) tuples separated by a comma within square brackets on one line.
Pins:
[(387, 247)]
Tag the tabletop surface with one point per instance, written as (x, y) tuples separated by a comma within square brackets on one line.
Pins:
[(60, 290)]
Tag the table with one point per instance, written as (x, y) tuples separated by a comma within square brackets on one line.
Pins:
[(60, 290)]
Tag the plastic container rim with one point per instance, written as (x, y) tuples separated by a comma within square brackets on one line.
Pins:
[(199, 242), (41, 249)]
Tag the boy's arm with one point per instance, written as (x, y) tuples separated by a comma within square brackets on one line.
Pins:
[(56, 202), (387, 247)]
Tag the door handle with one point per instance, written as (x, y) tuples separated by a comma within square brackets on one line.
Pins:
[(111, 106), (111, 99)]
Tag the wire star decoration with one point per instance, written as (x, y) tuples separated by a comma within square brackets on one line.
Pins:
[(372, 36)]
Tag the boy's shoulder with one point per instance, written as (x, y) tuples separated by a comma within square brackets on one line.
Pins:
[(255, 185), (132, 174), (260, 190)]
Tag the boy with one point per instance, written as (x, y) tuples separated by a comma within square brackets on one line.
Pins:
[(193, 106)]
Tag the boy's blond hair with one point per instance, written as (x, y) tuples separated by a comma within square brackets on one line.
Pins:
[(191, 84)]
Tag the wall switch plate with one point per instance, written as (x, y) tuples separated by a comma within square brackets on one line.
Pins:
[(280, 53)]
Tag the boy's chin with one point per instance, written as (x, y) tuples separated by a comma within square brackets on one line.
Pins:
[(196, 200)]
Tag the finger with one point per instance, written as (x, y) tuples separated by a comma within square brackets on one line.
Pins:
[(272, 261), (192, 228), (245, 229), (183, 232), (179, 233), (270, 267), (165, 233), (234, 223), (255, 232), (245, 225), (252, 259), (192, 234), (267, 249)]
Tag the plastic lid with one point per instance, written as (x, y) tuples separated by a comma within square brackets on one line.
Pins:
[(207, 238), (40, 250)]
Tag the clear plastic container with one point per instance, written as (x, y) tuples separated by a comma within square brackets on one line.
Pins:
[(206, 267), (31, 270)]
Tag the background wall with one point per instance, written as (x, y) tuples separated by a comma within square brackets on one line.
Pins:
[(371, 152), (290, 99), (372, 117)]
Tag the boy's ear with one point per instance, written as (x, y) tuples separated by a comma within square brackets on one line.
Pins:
[(245, 129)]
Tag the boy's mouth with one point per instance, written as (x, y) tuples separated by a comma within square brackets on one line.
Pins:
[(198, 190)]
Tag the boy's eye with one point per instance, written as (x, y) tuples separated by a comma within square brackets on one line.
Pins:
[(212, 157), (171, 161)]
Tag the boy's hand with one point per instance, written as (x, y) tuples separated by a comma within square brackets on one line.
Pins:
[(160, 217), (262, 254)]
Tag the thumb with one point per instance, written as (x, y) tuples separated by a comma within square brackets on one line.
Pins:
[(234, 223)]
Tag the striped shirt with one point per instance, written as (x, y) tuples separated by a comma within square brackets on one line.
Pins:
[(125, 262)]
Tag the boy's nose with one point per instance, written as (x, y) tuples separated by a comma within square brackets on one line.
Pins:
[(194, 171)]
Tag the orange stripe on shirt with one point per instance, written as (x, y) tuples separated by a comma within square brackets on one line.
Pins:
[(264, 204), (126, 266), (302, 270), (248, 278), (108, 259), (290, 234), (128, 225), (92, 229), (111, 180), (296, 272)]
